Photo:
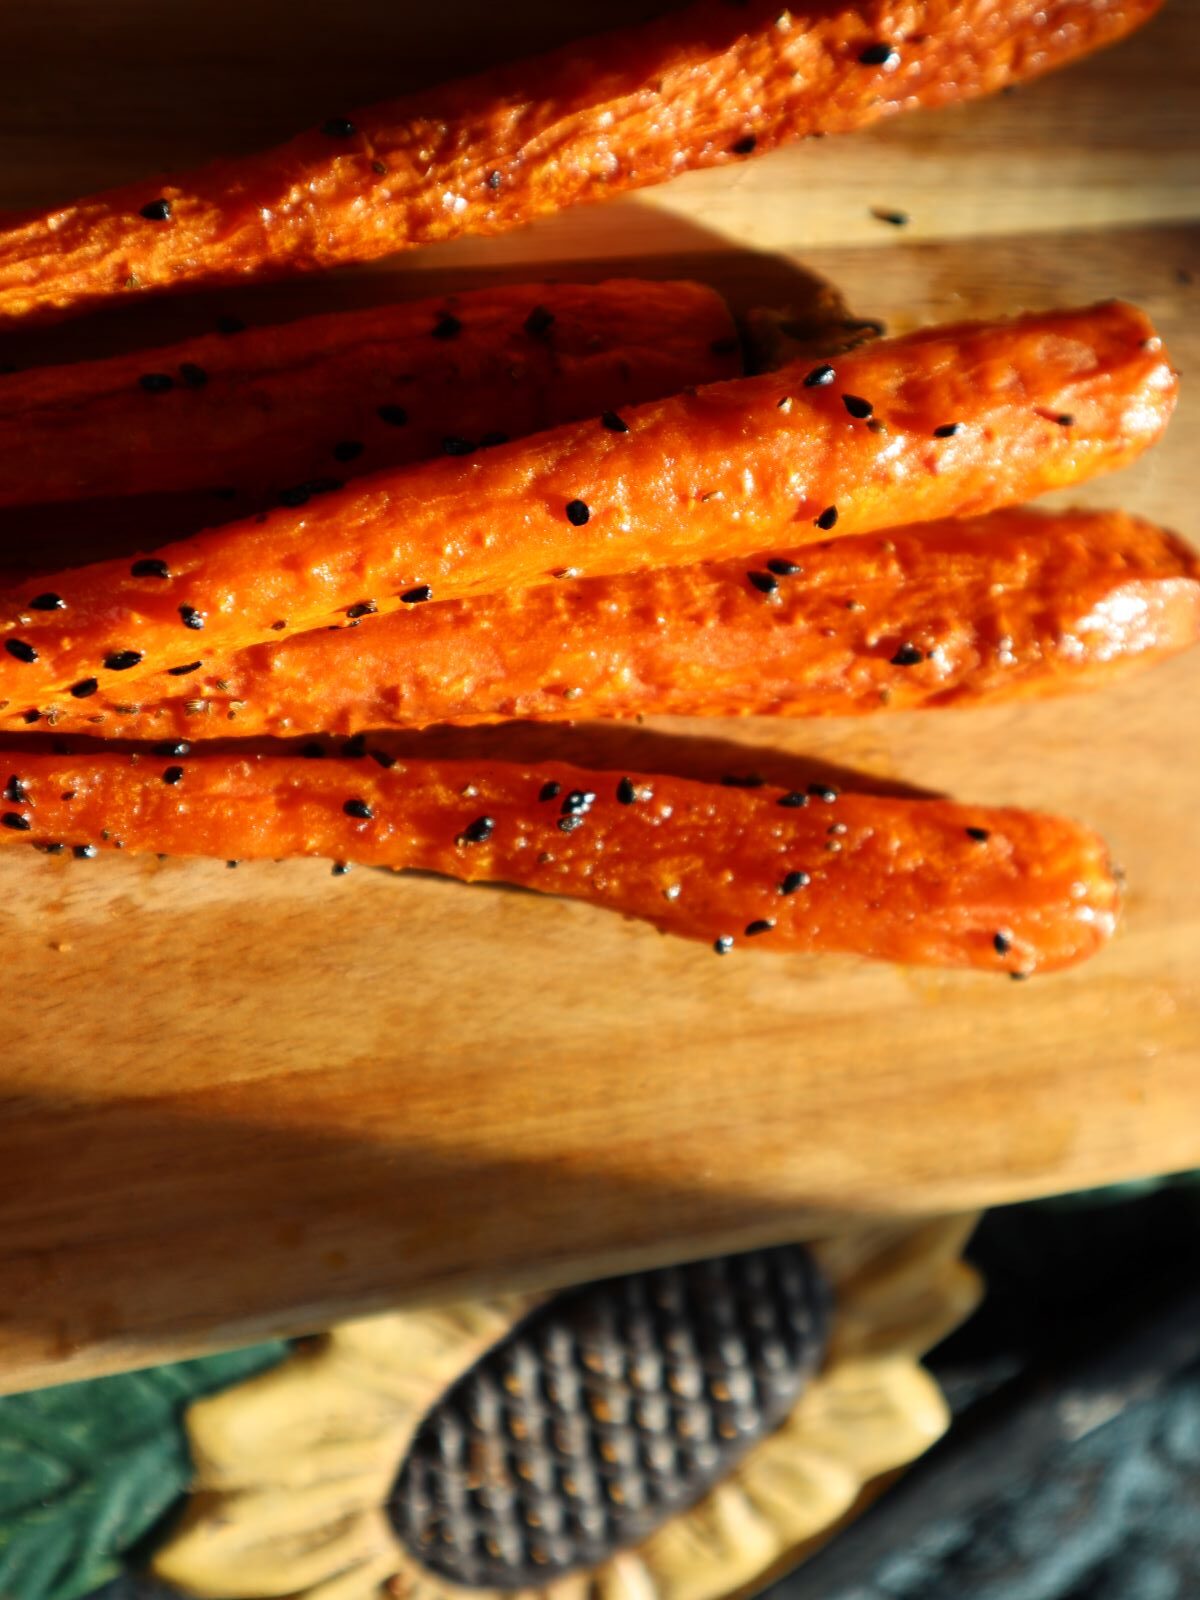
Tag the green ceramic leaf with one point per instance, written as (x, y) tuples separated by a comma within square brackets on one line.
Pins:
[(87, 1469)]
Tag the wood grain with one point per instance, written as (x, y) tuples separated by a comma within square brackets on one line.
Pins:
[(244, 1102)]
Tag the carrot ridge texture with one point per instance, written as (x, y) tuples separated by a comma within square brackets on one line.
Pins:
[(927, 882), (1017, 604), (946, 422), (707, 85)]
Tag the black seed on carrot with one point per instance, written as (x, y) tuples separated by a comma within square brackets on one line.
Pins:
[(50, 849), (1065, 420), (880, 55), (578, 802), (379, 166), (479, 831), (819, 377), (20, 650), (84, 852), (149, 567), (782, 568), (414, 597), (626, 793), (908, 656), (794, 881), (744, 146), (539, 322), (1002, 943), (48, 602), (339, 869), (828, 518), (348, 449), (447, 326), (182, 672), (31, 716), (980, 834), (764, 582), (613, 422), (173, 775), (364, 608), (759, 925), (358, 809), (15, 791), (897, 219), (857, 406), (84, 688), (14, 820), (156, 211), (793, 800), (947, 430), (493, 180), (577, 513), (724, 944), (550, 791), (338, 128), (823, 791), (191, 617), (156, 382), (394, 416), (173, 747), (195, 377), (569, 823), (122, 660)]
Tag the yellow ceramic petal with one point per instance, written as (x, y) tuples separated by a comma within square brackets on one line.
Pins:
[(369, 1580), (799, 1490), (722, 1543), (905, 1317), (871, 1415), (413, 1356), (625, 1578)]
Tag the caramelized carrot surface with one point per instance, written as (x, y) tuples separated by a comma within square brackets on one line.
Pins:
[(924, 881), (1016, 604), (289, 410), (706, 85), (945, 422)]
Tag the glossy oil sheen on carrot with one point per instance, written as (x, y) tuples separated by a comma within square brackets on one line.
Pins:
[(926, 882), (1038, 403)]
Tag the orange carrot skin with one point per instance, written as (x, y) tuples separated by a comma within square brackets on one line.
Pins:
[(898, 879), (1013, 605), (269, 408), (704, 86), (1039, 403)]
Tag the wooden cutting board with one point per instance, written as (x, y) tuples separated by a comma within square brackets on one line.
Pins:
[(239, 1103)]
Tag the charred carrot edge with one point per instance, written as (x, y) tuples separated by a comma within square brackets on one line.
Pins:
[(707, 85), (290, 410), (926, 882), (1013, 605), (945, 422)]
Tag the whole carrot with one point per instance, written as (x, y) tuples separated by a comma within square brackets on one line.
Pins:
[(945, 422), (926, 882), (286, 410), (1016, 604), (706, 85)]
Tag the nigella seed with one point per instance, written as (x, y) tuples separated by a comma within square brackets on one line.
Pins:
[(16, 791), (455, 445), (479, 831), (740, 780), (783, 569), (793, 800), (578, 802), (745, 145), (386, 761), (577, 513), (947, 430), (880, 55), (828, 518), (908, 656), (173, 747), (447, 326), (897, 219), (823, 791), (981, 835), (857, 406), (339, 869), (349, 449), (156, 211), (122, 660), (156, 382), (819, 377), (150, 567), (358, 809), (493, 180), (31, 716), (50, 849), (364, 608), (191, 617), (626, 793), (195, 377), (759, 925), (414, 597), (173, 775), (394, 416), (794, 881), (1065, 420), (338, 128), (20, 650), (550, 791), (14, 820), (539, 322), (724, 944), (48, 602), (764, 582), (182, 672), (379, 166), (613, 422), (1002, 943), (569, 823), (84, 688), (85, 852)]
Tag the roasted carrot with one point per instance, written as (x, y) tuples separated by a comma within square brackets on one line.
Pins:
[(704, 86), (1016, 604), (290, 408), (947, 421), (921, 881)]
